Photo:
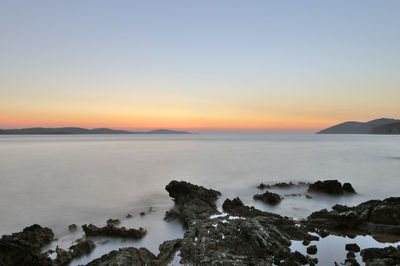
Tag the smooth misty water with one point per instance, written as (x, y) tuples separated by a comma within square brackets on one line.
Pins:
[(59, 180)]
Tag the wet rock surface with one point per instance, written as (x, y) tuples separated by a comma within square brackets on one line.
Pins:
[(332, 187), (191, 201), (24, 248), (371, 217), (112, 230), (381, 256), (268, 197), (125, 257)]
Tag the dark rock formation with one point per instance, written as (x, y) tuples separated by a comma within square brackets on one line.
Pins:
[(126, 256), (333, 187), (348, 188), (113, 221), (281, 185), (24, 248), (237, 241), (352, 247), (371, 217), (381, 256), (268, 197), (286, 226), (192, 202), (72, 227), (111, 230), (312, 250)]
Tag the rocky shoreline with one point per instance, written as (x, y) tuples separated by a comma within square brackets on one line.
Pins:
[(240, 235)]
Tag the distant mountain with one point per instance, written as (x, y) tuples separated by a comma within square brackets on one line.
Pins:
[(392, 128), (353, 127), (166, 131), (78, 130)]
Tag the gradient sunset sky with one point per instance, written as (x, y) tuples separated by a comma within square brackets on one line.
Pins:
[(199, 65)]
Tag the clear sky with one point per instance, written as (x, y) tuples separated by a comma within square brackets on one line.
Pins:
[(201, 65)]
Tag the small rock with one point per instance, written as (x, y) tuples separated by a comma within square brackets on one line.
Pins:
[(351, 262), (312, 250), (128, 216), (268, 197), (113, 221), (306, 242), (350, 255), (352, 247), (142, 213), (348, 188), (112, 230), (308, 196), (72, 227)]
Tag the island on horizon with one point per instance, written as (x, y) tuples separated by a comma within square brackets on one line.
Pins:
[(386, 126), (79, 130)]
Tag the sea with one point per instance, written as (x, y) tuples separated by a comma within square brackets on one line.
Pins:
[(58, 180)]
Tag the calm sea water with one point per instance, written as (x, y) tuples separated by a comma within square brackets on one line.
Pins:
[(59, 180)]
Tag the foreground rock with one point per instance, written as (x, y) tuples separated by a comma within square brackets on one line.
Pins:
[(83, 247), (333, 187), (112, 230), (125, 257), (139, 256), (246, 236), (381, 256), (371, 217), (24, 248), (268, 197), (192, 202)]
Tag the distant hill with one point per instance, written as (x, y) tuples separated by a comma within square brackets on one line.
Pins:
[(392, 128), (353, 127), (78, 130)]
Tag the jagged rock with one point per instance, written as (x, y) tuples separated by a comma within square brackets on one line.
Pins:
[(111, 230), (350, 255), (63, 257), (333, 187), (139, 256), (285, 225), (381, 256), (374, 216), (113, 221), (281, 185), (268, 197), (126, 257), (192, 202), (351, 262), (167, 250), (83, 247), (312, 250), (24, 248), (352, 247), (348, 188)]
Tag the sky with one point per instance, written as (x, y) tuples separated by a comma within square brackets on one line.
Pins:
[(200, 65)]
